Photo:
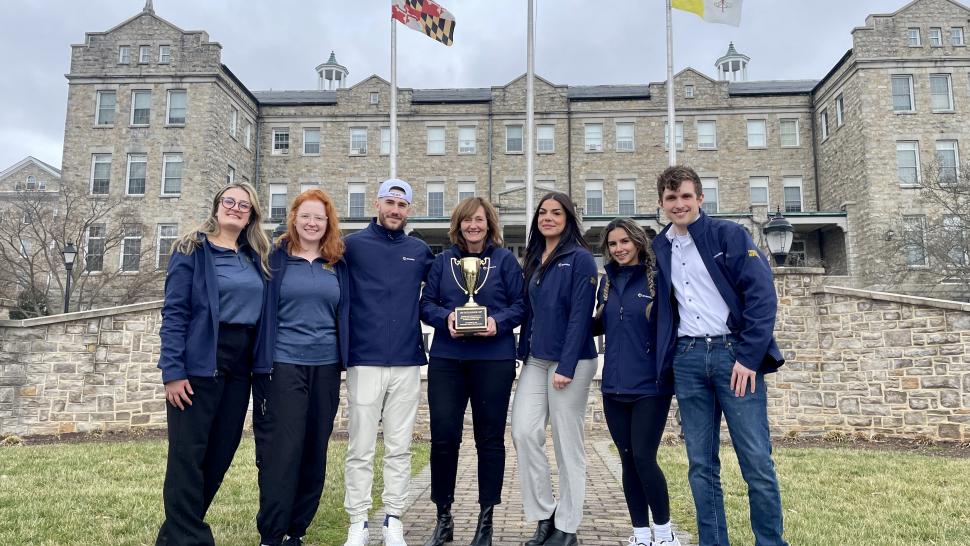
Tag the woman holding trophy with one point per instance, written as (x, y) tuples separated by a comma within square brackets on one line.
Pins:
[(473, 299), (557, 344)]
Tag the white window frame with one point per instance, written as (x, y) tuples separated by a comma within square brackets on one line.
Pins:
[(142, 158), (437, 188), (626, 185), (167, 158), (707, 184), (466, 145), (688, 91), (123, 248), (249, 135), (168, 106), (88, 238), (230, 174), (759, 182), (277, 143), (164, 54), (319, 141), (936, 36), (913, 38), (823, 122), (97, 108), (892, 95), (435, 136), (625, 143), (124, 54), (957, 37), (135, 93), (908, 222), (144, 54), (307, 186), (274, 190), (361, 148), (509, 138), (748, 124), (702, 145), (593, 137), (375, 97), (97, 159), (781, 132), (356, 188), (466, 189), (233, 120), (948, 145), (385, 132), (793, 182), (594, 186), (949, 93), (30, 184), (839, 111), (545, 144), (908, 146), (678, 135), (165, 240)]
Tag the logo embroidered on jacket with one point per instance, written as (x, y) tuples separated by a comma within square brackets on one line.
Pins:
[(406, 259), (641, 295), (564, 264), (753, 253)]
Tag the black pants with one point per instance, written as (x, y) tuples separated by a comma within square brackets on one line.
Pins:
[(202, 440), (293, 412), (637, 427), (451, 383)]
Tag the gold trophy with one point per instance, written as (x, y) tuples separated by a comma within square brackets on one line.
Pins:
[(471, 317)]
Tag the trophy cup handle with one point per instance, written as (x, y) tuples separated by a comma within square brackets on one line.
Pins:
[(451, 266), (485, 264)]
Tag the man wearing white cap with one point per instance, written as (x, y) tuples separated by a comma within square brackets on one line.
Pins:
[(386, 269)]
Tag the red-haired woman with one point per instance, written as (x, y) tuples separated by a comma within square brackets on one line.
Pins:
[(304, 340)]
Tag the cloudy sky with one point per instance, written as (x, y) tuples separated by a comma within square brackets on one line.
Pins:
[(275, 44)]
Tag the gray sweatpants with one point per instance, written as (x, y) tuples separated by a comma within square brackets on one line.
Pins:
[(536, 404)]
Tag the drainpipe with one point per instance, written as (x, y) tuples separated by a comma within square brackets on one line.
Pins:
[(490, 196), (569, 145)]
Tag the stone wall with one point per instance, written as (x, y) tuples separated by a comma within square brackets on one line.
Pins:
[(858, 362)]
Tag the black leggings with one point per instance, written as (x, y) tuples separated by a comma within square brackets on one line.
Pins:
[(637, 427)]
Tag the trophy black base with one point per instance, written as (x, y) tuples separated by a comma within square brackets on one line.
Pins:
[(469, 320)]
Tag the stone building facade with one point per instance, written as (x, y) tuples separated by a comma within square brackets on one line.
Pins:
[(149, 98)]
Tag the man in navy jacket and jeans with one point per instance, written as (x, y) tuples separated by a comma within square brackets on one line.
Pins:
[(387, 268), (716, 308)]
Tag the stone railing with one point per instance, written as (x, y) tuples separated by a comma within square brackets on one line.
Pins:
[(858, 362)]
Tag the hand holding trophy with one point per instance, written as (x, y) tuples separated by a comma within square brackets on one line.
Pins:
[(471, 317)]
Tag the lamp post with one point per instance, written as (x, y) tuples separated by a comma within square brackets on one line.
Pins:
[(69, 253), (779, 233)]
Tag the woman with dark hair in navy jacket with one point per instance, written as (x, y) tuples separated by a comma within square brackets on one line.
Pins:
[(556, 344), (479, 367), (213, 305), (303, 343), (636, 391)]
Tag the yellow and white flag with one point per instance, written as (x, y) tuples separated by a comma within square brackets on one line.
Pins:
[(725, 12)]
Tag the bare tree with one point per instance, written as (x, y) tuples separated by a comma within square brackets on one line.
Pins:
[(36, 226)]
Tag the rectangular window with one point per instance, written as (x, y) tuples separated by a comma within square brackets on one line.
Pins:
[(281, 141), (306, 186), (230, 175), (137, 167), (626, 197), (907, 163), (249, 134), (594, 197), (788, 131), (131, 248), (594, 137), (902, 89), (141, 107), (912, 37), (936, 37), (953, 231), (947, 161), (793, 193), (164, 54), (679, 135), (823, 123), (941, 96), (144, 54), (100, 174), (355, 200), (759, 190), (311, 141), (25, 245), (757, 133), (233, 120), (124, 55), (167, 235), (436, 199), (624, 137), (545, 139), (839, 111), (107, 100), (436, 140), (466, 140), (172, 174), (358, 141), (956, 36), (466, 190), (94, 257), (914, 240), (177, 99), (385, 140), (709, 186), (375, 97), (277, 202), (706, 135), (689, 91), (513, 139)]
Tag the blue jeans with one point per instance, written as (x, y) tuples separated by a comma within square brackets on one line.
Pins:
[(702, 379)]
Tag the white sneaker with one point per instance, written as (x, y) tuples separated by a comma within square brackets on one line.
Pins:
[(633, 542), (393, 532), (674, 542), (358, 534)]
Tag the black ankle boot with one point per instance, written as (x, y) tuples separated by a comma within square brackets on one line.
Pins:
[(483, 532), (543, 529), (444, 528), (560, 538)]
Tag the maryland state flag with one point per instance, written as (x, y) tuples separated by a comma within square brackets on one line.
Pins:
[(725, 12), (427, 17)]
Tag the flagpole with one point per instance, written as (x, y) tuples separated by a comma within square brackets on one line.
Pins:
[(671, 119), (529, 121), (393, 98)]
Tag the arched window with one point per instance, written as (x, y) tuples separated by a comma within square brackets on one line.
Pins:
[(31, 183)]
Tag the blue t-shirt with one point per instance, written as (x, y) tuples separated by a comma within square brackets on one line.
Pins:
[(240, 286), (306, 330)]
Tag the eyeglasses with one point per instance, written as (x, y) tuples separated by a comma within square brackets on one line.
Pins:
[(243, 206), (305, 217)]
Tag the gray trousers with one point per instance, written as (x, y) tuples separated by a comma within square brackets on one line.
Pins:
[(536, 404)]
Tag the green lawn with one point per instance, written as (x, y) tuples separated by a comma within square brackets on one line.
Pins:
[(842, 496), (111, 493)]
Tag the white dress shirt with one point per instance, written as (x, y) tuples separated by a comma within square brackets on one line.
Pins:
[(703, 312)]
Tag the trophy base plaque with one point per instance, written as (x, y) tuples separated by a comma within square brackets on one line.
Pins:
[(469, 320)]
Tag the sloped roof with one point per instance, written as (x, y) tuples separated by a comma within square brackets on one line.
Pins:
[(467, 95), (287, 98), (54, 171), (772, 87), (608, 92)]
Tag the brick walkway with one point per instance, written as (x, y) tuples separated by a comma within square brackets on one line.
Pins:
[(606, 521)]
